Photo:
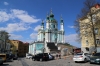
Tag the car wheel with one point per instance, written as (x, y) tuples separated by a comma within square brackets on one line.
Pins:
[(33, 59), (75, 61), (1, 63), (41, 59), (85, 60), (90, 62)]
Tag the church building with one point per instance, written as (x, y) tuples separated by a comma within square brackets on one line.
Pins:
[(48, 37)]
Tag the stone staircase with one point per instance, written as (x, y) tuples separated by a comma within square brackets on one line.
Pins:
[(52, 47)]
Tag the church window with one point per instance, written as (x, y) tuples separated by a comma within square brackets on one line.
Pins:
[(53, 26)]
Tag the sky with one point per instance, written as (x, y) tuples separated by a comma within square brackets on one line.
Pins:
[(22, 18)]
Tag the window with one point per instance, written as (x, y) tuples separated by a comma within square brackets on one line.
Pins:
[(97, 41), (93, 18), (53, 26), (86, 33), (87, 43), (96, 30)]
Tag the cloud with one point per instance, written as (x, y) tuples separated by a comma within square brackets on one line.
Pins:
[(37, 28), (15, 27), (71, 26), (4, 16), (33, 36), (24, 16), (15, 37), (71, 38), (16, 14), (6, 3), (29, 41)]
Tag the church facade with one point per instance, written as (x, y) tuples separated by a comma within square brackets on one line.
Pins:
[(48, 37)]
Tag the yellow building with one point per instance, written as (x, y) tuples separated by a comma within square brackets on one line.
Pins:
[(86, 30), (19, 48)]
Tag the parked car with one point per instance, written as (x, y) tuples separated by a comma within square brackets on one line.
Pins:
[(41, 57), (15, 57), (51, 57), (1, 61), (81, 57), (95, 58), (29, 56)]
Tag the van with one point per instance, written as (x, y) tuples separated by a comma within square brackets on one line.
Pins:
[(3, 56)]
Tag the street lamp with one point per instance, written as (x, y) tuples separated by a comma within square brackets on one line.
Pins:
[(44, 45)]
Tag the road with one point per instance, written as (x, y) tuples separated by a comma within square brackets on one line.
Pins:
[(58, 62)]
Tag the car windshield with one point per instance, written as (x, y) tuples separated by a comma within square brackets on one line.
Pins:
[(97, 54), (45, 53), (29, 55), (78, 54)]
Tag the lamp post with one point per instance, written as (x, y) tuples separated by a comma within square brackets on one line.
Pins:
[(44, 45)]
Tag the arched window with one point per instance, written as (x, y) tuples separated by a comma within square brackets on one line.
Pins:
[(53, 26)]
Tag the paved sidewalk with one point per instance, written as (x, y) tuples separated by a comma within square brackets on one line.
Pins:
[(15, 63)]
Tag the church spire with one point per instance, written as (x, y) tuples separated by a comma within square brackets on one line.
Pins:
[(42, 25), (47, 16), (61, 19), (51, 14), (61, 24), (51, 11)]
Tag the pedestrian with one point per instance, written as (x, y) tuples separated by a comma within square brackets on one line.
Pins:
[(56, 55), (59, 55), (17, 57)]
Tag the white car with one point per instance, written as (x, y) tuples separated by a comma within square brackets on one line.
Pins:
[(29, 56), (81, 57)]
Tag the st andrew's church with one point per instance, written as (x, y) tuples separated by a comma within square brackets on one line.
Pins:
[(48, 37)]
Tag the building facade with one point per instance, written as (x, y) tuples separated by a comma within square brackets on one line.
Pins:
[(88, 25), (19, 48), (48, 37)]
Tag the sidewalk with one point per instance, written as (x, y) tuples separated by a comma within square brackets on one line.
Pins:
[(69, 56), (15, 63)]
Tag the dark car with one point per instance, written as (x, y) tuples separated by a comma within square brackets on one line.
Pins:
[(1, 61), (41, 57), (95, 58), (15, 57), (9, 57)]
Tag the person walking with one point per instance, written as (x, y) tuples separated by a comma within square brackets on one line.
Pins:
[(56, 55), (59, 55)]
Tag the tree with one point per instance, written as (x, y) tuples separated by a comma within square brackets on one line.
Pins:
[(5, 35), (84, 11), (87, 13)]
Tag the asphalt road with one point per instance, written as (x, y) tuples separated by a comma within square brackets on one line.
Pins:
[(58, 62)]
